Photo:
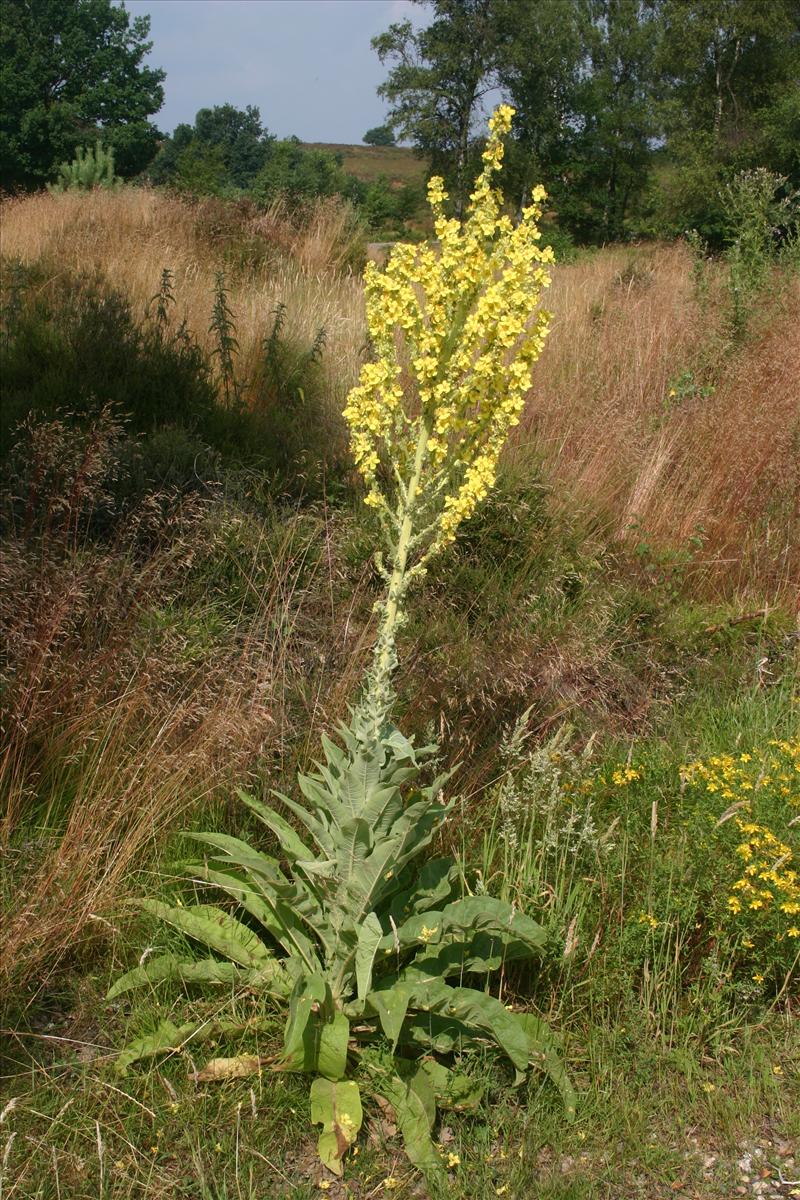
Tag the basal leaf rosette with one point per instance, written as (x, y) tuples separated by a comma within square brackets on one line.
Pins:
[(456, 328)]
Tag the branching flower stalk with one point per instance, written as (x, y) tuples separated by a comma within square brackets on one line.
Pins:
[(456, 329)]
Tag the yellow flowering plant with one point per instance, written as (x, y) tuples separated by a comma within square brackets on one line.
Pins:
[(760, 908), (362, 936), (456, 328)]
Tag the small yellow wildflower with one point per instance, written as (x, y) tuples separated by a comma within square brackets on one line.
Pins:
[(453, 1160), (426, 934), (707, 1086), (758, 977), (324, 1185), (390, 1183), (777, 1069)]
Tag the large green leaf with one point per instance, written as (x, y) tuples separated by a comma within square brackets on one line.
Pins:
[(284, 907), (292, 845), (544, 1048), (425, 889), (452, 1089), (270, 978), (333, 1039), (170, 1038), (261, 903), (462, 920), (481, 1013), (413, 1123), (369, 935), (420, 1082), (167, 1037), (234, 848), (317, 827), (301, 1039), (353, 845), (336, 1106), (390, 1005), (214, 928), (435, 1034)]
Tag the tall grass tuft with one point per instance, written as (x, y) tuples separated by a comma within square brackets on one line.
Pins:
[(150, 659)]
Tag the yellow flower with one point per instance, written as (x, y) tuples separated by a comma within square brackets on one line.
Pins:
[(324, 1185), (439, 400), (426, 934), (390, 1183), (453, 1160), (708, 1086), (758, 977), (777, 1069)]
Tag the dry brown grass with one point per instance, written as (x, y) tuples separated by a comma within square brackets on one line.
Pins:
[(123, 708), (129, 236), (626, 326)]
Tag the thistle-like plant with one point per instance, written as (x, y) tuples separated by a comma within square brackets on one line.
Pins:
[(226, 346), (158, 305), (350, 924)]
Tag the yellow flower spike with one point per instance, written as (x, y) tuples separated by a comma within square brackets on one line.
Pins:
[(456, 329)]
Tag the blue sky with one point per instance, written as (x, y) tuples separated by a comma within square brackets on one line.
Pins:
[(307, 64)]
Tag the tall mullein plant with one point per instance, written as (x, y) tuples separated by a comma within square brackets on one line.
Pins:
[(461, 318), (351, 924)]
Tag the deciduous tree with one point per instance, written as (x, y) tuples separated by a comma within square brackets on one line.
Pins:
[(73, 73)]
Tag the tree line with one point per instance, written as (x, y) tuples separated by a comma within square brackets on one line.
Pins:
[(633, 113)]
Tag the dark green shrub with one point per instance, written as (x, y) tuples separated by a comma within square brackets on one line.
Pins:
[(298, 171), (75, 346)]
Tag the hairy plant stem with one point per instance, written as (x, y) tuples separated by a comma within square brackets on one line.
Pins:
[(379, 695)]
